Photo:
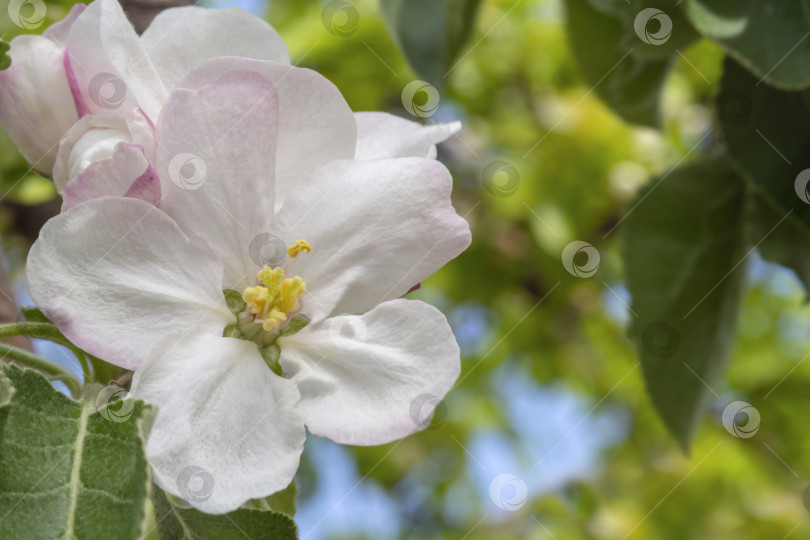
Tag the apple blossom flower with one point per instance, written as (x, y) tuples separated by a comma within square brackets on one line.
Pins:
[(90, 83), (93, 62), (36, 105), (240, 348)]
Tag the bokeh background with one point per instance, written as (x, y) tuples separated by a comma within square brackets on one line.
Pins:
[(549, 433)]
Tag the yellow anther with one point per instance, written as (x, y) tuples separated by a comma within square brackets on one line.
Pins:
[(299, 246), (274, 319), (274, 298)]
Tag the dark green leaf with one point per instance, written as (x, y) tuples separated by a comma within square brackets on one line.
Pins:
[(657, 33), (769, 38), (5, 59), (283, 501), (778, 235), (67, 471), (430, 33), (175, 523), (629, 83), (767, 132), (684, 249)]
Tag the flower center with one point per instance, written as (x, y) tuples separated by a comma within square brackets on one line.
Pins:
[(276, 298), (270, 308)]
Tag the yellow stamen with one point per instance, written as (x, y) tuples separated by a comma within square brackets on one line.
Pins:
[(299, 246), (275, 297)]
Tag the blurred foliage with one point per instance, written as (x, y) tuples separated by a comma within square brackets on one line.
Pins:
[(526, 100)]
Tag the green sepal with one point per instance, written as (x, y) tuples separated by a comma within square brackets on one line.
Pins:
[(34, 314), (295, 325), (271, 353), (235, 302)]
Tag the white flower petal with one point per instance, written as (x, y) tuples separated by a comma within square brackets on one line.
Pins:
[(117, 274), (94, 138), (315, 124), (111, 68), (381, 136), (58, 32), (373, 378), (377, 228), (224, 417), (37, 105), (127, 173), (216, 160), (181, 38)]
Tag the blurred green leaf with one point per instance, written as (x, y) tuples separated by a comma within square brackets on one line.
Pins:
[(767, 132), (430, 33), (653, 29), (282, 501), (769, 38), (68, 471), (5, 59), (628, 83), (684, 245), (778, 235), (177, 523)]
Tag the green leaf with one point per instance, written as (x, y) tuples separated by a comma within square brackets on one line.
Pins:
[(283, 501), (655, 34), (778, 235), (33, 314), (769, 38), (66, 470), (5, 59), (430, 33), (684, 251), (175, 523), (767, 132), (628, 83)]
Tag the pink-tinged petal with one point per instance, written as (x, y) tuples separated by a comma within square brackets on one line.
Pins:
[(117, 275), (182, 38), (384, 136), (59, 31), (81, 107), (375, 227), (94, 138), (223, 417), (216, 156), (36, 106), (315, 124), (373, 378), (112, 69), (126, 173)]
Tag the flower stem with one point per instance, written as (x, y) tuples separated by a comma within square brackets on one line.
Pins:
[(48, 331), (36, 362)]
